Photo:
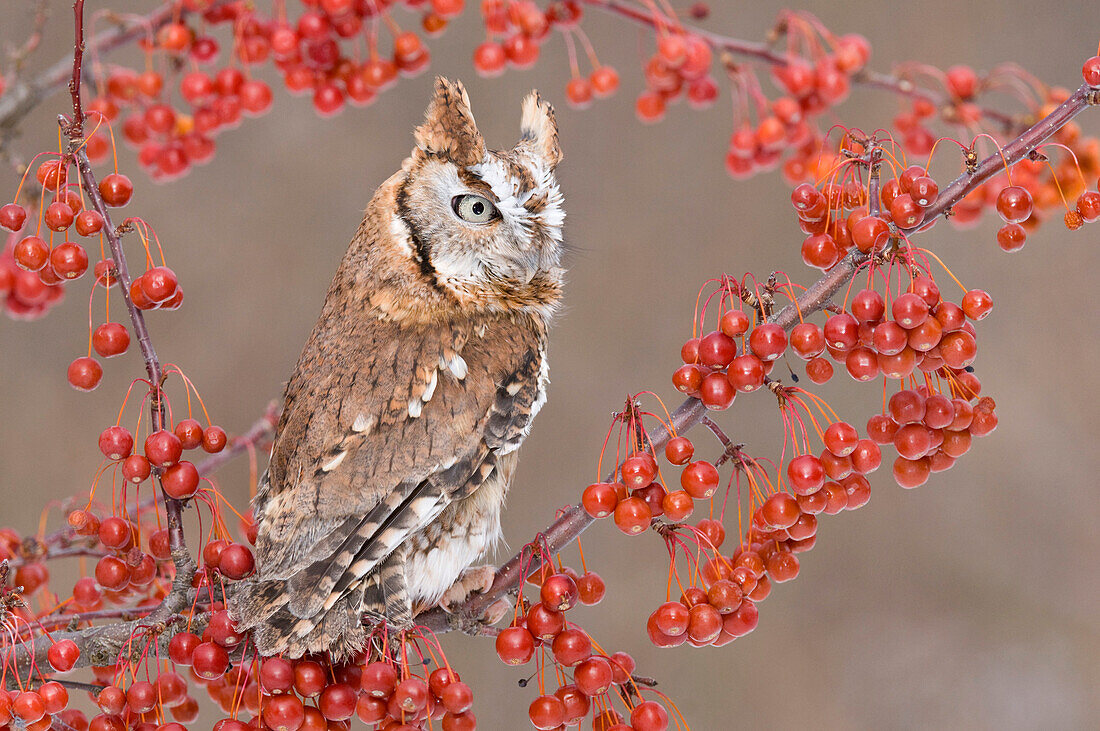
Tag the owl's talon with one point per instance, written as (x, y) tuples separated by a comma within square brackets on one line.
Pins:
[(471, 581), (496, 611)]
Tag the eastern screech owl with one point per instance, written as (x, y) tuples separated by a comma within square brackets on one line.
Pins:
[(398, 437)]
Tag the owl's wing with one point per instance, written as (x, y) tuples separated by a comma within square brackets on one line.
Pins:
[(378, 439)]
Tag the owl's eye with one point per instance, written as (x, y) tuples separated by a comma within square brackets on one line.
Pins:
[(474, 208)]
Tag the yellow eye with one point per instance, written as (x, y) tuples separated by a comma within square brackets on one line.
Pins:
[(474, 208)]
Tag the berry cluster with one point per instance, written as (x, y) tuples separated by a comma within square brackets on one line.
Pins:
[(46, 264), (597, 677), (811, 86), (33, 268), (317, 53)]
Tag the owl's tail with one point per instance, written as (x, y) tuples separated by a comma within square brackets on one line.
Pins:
[(262, 606)]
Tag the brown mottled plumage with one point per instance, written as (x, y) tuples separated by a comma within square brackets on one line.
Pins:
[(397, 441)]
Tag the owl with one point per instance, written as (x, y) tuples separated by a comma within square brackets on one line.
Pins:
[(398, 436)]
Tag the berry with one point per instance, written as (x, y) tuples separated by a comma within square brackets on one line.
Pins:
[(571, 647), (85, 374), (58, 216), (110, 339), (31, 253), (699, 479), (768, 341), (214, 439), (489, 59), (136, 468), (546, 712), (515, 646), (1014, 204), (578, 92), (604, 80), (1091, 71), (63, 655), (116, 442), (13, 216), (599, 499), (116, 189), (632, 515), (180, 480), (189, 432), (559, 592), (163, 448)]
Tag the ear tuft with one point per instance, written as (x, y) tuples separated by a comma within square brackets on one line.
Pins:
[(539, 129), (449, 130)]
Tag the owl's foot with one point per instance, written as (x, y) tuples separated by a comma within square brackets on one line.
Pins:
[(470, 581)]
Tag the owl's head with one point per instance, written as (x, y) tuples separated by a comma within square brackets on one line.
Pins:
[(483, 226)]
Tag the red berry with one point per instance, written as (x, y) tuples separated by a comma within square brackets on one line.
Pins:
[(515, 645), (593, 676), (977, 304), (110, 339), (546, 712), (559, 592), (806, 475), (337, 702), (1091, 71), (700, 479), (116, 190), (58, 216), (158, 284), (63, 655), (489, 59), (781, 510), (180, 480), (31, 253), (571, 647), (591, 588), (768, 341), (163, 448), (136, 468), (116, 442), (746, 372), (210, 661), (189, 432), (599, 499), (679, 450), (604, 80), (214, 439), (632, 515), (1014, 204), (282, 712), (13, 216), (578, 92), (85, 373)]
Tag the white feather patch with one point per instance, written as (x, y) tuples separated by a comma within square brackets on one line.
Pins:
[(399, 230), (334, 462), (456, 365), (362, 424), (430, 390)]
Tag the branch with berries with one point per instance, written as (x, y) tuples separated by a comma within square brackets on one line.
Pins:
[(149, 599)]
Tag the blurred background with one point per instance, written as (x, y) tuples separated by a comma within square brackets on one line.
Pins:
[(969, 603)]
